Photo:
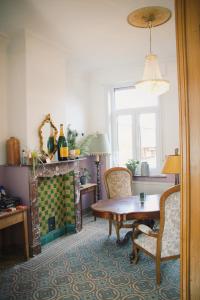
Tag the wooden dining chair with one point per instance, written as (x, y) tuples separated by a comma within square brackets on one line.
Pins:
[(118, 183), (164, 243)]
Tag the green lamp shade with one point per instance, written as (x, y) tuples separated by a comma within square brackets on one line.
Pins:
[(99, 145)]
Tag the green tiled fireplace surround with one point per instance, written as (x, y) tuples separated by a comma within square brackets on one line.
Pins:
[(56, 199)]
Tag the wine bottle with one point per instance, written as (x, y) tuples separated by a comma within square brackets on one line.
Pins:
[(62, 146)]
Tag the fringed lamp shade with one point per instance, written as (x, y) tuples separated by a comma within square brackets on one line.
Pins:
[(152, 81), (99, 145)]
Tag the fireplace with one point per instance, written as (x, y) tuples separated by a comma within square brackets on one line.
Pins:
[(52, 195), (56, 206), (54, 202)]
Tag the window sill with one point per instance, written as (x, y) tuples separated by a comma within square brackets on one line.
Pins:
[(154, 178), (150, 176)]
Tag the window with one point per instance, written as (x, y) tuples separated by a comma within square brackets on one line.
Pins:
[(135, 127)]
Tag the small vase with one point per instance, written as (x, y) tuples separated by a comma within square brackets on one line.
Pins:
[(144, 169), (77, 152), (83, 180), (72, 154), (13, 151)]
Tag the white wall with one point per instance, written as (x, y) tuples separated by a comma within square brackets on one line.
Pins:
[(42, 78), (170, 112), (16, 87), (46, 87), (101, 80), (3, 96), (55, 86), (77, 113), (37, 78), (150, 187)]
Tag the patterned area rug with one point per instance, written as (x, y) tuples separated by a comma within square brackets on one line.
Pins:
[(88, 266)]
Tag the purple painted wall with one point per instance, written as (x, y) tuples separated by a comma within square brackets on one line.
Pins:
[(1, 176), (89, 163), (87, 199), (15, 179), (16, 182)]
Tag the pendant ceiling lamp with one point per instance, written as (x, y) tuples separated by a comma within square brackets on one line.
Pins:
[(148, 17)]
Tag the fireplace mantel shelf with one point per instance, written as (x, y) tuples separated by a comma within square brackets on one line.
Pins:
[(50, 163), (65, 161)]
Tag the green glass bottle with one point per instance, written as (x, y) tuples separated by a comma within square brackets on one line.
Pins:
[(62, 146)]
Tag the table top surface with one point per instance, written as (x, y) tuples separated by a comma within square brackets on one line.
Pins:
[(87, 185), (10, 212), (128, 205)]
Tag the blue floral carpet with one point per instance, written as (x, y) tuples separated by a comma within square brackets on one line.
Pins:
[(88, 266)]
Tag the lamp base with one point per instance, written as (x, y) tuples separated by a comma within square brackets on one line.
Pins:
[(97, 163), (177, 179)]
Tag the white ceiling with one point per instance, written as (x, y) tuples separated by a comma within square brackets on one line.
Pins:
[(95, 32)]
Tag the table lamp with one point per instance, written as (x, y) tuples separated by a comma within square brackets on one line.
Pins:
[(173, 165), (99, 146)]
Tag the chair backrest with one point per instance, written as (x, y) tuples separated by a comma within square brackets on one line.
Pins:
[(118, 182), (170, 221)]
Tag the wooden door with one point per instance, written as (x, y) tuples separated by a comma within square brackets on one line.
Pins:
[(188, 55)]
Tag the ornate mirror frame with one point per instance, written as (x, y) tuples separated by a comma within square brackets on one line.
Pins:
[(47, 120)]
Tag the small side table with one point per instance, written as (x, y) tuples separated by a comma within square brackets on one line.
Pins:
[(14, 217), (85, 189)]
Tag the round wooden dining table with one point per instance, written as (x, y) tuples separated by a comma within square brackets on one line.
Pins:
[(129, 208)]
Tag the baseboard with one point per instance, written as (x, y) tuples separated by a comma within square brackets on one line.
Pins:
[(86, 211), (56, 233), (70, 228)]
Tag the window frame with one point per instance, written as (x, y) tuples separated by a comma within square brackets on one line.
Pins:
[(135, 113)]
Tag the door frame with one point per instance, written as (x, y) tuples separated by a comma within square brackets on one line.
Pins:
[(187, 15), (184, 144)]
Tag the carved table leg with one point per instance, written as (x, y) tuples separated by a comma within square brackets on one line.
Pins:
[(117, 228), (126, 238)]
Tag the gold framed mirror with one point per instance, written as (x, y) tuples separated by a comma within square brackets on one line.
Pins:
[(47, 136)]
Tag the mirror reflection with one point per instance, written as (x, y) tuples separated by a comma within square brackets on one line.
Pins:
[(47, 135)]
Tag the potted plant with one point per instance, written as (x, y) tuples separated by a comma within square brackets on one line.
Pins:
[(72, 135), (132, 165), (84, 176), (84, 143)]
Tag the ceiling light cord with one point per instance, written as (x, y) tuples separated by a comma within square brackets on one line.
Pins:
[(150, 27)]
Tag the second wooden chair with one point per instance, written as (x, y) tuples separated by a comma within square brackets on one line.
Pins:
[(118, 183)]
